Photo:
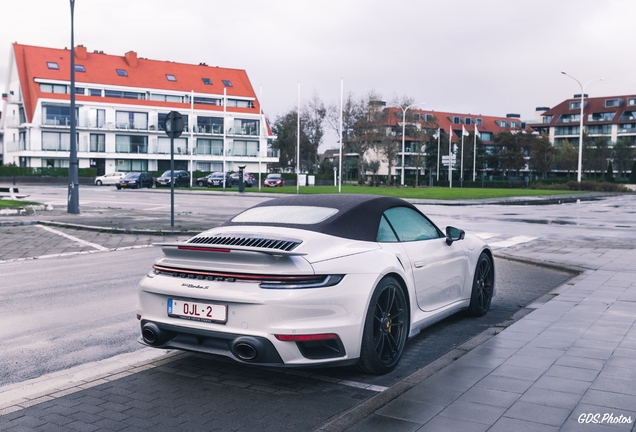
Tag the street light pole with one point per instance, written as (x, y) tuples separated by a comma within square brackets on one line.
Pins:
[(578, 177), (73, 171), (404, 110)]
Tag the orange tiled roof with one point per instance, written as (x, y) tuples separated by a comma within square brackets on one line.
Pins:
[(101, 69), (489, 123)]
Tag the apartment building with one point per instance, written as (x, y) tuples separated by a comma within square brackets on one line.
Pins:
[(488, 127), (611, 116), (121, 105)]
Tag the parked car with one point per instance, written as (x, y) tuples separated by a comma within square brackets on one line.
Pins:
[(274, 180), (321, 279), (248, 179), (136, 180), (216, 180), (109, 179), (181, 178), (203, 181)]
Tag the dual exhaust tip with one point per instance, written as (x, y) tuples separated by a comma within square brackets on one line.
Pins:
[(245, 348)]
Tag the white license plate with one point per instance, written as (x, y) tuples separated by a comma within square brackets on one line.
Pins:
[(207, 312)]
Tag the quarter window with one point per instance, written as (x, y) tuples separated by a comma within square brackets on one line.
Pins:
[(409, 225)]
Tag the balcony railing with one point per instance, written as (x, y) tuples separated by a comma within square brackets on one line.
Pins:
[(57, 121), (208, 129)]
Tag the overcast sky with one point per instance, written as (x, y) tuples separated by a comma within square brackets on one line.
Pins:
[(483, 57)]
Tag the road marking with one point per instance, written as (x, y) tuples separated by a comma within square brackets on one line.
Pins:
[(158, 208), (75, 239), (512, 241), (486, 236), (64, 254)]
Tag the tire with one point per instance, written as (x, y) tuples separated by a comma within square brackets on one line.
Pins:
[(118, 187), (200, 184), (98, 182), (483, 286), (385, 328)]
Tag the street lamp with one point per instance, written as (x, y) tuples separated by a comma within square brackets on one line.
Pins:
[(578, 178), (404, 110), (73, 172)]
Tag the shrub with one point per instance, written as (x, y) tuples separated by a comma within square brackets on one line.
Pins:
[(597, 186)]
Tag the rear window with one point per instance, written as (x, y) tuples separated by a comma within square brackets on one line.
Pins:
[(299, 215), (132, 175)]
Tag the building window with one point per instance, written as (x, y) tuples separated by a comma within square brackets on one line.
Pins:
[(161, 120), (171, 77), (52, 65), (501, 123), (246, 127), (209, 147), (597, 117), (239, 103), (428, 118), (207, 101), (569, 118), (627, 128), (456, 120), (478, 122), (245, 148), (547, 119), (213, 125), (124, 94), (56, 141), (513, 124), (599, 129), (227, 83), (485, 136), (131, 144), (98, 143), (207, 81), (122, 72), (467, 121), (610, 103), (95, 92), (53, 88), (96, 117), (57, 115), (132, 165), (80, 68), (180, 145), (631, 102), (416, 117), (566, 130), (166, 98), (131, 120)]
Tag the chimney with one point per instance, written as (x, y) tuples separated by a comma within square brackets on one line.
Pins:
[(80, 52), (131, 59)]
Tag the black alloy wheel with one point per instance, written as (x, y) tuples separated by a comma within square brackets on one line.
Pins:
[(385, 329), (483, 286)]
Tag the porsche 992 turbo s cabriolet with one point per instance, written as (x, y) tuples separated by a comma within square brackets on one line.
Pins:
[(314, 280)]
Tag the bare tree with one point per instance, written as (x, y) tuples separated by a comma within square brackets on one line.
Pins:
[(312, 122)]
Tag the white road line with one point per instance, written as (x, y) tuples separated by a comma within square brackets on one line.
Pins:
[(74, 253), (486, 236), (158, 208), (75, 239), (512, 241)]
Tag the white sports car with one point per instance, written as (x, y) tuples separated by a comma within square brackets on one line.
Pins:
[(314, 280)]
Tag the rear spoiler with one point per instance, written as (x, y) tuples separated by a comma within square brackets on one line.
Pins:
[(227, 249)]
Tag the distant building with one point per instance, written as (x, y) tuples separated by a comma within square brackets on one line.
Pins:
[(122, 102), (429, 121), (611, 116)]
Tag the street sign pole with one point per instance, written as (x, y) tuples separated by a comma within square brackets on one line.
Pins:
[(173, 126)]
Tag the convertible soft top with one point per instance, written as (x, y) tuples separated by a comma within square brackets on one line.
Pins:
[(358, 216)]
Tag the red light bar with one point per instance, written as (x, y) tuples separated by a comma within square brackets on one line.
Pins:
[(306, 338), (203, 249)]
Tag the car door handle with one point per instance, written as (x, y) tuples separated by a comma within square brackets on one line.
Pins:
[(419, 264)]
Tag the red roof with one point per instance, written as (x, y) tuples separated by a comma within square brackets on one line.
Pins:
[(445, 122), (591, 106), (101, 70)]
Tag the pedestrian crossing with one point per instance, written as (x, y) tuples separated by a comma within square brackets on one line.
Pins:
[(504, 243)]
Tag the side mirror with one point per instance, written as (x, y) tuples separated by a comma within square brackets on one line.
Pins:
[(454, 234)]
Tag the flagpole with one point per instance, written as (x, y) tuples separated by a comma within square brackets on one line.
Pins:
[(461, 174), (475, 155), (298, 144), (450, 159), (439, 133), (340, 158)]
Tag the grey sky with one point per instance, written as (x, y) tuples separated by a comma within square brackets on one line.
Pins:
[(481, 57)]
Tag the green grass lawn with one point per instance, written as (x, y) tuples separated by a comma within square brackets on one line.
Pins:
[(6, 203), (437, 193)]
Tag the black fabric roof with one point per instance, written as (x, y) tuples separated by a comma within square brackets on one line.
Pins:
[(358, 216)]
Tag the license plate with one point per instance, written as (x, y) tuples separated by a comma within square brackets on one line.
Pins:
[(206, 312)]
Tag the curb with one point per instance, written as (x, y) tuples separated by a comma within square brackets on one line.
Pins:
[(157, 232)]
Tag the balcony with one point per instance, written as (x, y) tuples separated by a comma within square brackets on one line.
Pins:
[(57, 121), (207, 129)]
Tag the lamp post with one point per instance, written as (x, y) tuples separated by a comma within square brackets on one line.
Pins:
[(73, 172), (578, 177), (404, 110)]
